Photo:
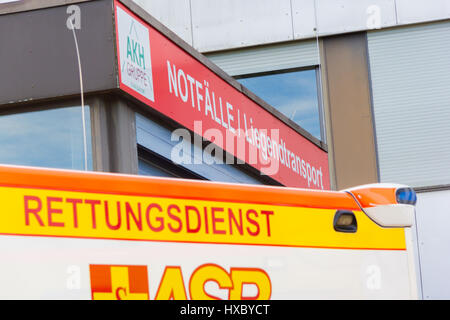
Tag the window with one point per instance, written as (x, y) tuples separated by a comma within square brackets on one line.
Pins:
[(48, 138), (293, 93), (155, 143)]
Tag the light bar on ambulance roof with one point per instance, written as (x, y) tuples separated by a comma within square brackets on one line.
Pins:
[(388, 205), (406, 196)]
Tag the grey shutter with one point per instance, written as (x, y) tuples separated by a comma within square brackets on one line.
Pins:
[(267, 58), (410, 73)]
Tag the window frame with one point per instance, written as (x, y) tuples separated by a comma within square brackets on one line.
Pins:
[(166, 165)]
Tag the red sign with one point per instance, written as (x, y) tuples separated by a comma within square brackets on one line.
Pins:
[(168, 79)]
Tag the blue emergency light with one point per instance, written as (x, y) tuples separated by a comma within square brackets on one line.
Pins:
[(406, 196)]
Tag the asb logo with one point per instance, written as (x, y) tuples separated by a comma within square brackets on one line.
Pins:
[(119, 282), (115, 282)]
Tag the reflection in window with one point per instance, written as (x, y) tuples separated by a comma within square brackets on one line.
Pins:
[(293, 93), (49, 138)]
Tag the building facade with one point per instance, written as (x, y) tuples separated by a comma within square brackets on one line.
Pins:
[(358, 89)]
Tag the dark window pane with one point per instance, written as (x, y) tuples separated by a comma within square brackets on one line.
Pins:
[(153, 164), (293, 93), (147, 168), (49, 138)]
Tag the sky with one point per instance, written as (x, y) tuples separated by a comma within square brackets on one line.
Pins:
[(49, 138), (294, 94)]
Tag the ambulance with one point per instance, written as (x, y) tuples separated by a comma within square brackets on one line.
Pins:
[(76, 235)]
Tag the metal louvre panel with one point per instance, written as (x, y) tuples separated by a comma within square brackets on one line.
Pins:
[(411, 11), (267, 58), (410, 73), (221, 25)]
